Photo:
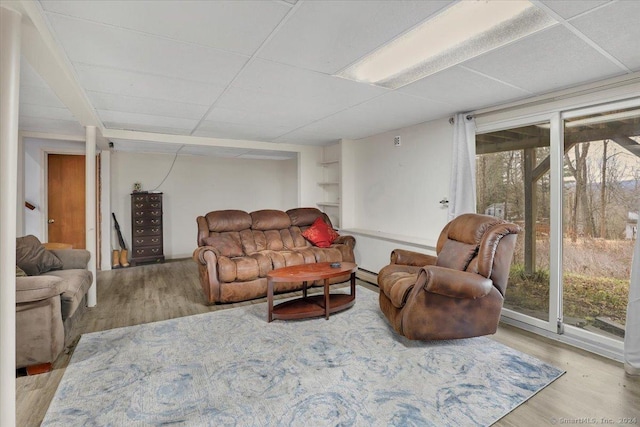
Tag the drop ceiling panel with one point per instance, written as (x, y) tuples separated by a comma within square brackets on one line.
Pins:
[(227, 130), (155, 107), (129, 50), (463, 89), (146, 128), (389, 111), (238, 26), (133, 120), (327, 36), (45, 112), (548, 60), (616, 29), (570, 8), (101, 79), (55, 126)]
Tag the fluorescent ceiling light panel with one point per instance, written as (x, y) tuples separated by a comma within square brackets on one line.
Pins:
[(463, 31)]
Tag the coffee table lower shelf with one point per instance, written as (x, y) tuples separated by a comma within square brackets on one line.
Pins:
[(311, 306)]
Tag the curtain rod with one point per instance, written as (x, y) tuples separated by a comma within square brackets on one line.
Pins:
[(452, 120)]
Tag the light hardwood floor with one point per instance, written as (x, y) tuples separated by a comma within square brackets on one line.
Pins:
[(593, 389)]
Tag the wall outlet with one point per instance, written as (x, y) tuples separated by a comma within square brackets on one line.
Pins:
[(396, 141)]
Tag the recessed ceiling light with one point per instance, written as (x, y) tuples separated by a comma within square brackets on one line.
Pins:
[(465, 30)]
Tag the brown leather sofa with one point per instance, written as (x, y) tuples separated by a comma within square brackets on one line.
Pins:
[(459, 293), (236, 250)]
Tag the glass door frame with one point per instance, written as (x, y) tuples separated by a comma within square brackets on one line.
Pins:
[(603, 344), (509, 315), (554, 327)]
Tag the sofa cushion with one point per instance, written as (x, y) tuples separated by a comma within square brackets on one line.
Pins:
[(33, 258), (269, 219), (75, 286), (228, 220), (228, 244), (303, 217), (320, 234), (238, 269)]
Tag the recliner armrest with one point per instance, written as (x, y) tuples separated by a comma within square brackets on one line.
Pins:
[(37, 288), (405, 257), (72, 258), (455, 283)]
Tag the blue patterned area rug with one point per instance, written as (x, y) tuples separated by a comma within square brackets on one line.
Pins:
[(232, 368)]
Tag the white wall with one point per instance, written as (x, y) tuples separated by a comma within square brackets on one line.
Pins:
[(396, 190), (35, 180), (198, 185)]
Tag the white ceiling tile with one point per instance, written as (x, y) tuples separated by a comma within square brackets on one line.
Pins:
[(56, 113), (238, 26), (548, 60), (463, 89), (616, 29), (46, 125), (154, 107), (327, 36), (228, 130), (571, 8), (390, 111), (134, 119), (129, 50), (29, 76), (39, 96), (101, 79), (299, 85), (146, 128)]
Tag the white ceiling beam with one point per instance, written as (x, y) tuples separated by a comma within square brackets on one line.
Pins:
[(132, 135), (41, 50)]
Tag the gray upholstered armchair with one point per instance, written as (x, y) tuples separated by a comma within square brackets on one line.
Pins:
[(49, 292), (459, 293)]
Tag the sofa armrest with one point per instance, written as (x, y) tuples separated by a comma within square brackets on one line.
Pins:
[(72, 258), (346, 240), (37, 288), (200, 255), (455, 283), (416, 259)]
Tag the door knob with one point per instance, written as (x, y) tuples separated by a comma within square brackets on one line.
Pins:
[(51, 221)]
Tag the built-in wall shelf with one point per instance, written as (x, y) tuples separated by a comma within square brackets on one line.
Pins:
[(330, 183)]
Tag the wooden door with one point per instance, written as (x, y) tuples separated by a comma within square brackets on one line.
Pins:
[(66, 199)]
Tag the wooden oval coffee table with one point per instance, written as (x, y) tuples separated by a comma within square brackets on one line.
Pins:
[(314, 305)]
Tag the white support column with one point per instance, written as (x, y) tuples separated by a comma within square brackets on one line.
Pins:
[(90, 192), (9, 96)]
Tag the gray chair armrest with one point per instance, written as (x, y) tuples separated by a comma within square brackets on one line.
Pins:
[(37, 288), (72, 258)]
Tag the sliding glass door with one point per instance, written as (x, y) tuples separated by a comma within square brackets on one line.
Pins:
[(513, 183), (600, 198), (572, 181)]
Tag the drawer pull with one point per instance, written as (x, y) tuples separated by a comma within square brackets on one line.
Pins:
[(155, 240), (155, 221), (139, 221), (155, 250), (139, 231), (139, 251)]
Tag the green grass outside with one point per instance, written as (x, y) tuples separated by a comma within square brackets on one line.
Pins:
[(585, 297)]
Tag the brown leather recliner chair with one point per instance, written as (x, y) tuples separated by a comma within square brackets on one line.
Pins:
[(459, 293)]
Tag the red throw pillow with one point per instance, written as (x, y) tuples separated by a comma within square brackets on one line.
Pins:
[(320, 234)]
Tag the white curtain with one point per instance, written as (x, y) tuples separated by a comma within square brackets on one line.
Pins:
[(462, 186), (632, 332)]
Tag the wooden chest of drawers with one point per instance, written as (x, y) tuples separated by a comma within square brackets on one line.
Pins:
[(146, 228)]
